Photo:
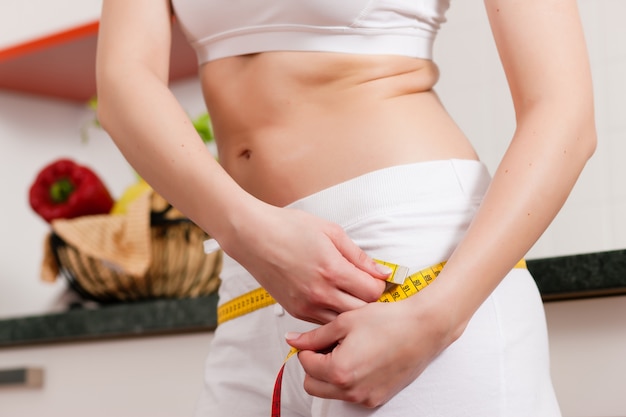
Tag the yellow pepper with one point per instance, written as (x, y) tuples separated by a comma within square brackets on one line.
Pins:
[(129, 195)]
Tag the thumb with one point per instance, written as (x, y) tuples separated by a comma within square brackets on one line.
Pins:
[(315, 340), (357, 257)]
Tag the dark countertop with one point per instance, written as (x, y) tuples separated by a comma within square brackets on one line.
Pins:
[(558, 278), (140, 318), (580, 276)]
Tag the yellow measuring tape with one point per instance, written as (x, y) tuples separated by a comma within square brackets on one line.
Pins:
[(401, 286), (259, 298)]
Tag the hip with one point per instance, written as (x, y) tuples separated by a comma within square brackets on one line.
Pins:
[(413, 214)]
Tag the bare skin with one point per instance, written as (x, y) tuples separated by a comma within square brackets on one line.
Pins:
[(286, 130), (292, 123)]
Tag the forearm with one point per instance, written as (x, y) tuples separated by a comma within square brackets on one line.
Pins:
[(549, 78), (531, 184), (157, 138), (148, 124)]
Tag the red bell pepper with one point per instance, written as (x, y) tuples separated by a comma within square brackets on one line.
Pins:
[(64, 190)]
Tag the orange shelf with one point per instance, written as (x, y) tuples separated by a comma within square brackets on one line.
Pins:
[(62, 65)]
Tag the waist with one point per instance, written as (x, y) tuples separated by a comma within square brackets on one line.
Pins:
[(280, 168), (407, 286), (308, 121), (411, 214), (416, 188)]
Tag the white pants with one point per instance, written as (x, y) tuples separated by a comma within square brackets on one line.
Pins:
[(412, 215)]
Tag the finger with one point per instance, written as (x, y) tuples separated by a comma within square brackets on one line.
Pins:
[(353, 297), (316, 340), (344, 288), (316, 381), (358, 272), (327, 377), (346, 297), (317, 365), (357, 257), (358, 286), (319, 316), (326, 309)]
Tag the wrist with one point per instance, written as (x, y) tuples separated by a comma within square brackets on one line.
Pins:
[(241, 219), (444, 310)]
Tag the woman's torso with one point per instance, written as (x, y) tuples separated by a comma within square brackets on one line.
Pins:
[(289, 124)]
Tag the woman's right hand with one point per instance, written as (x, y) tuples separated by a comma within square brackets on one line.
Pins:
[(309, 265)]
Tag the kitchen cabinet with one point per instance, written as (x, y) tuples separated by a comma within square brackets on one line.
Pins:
[(157, 376), (62, 64), (128, 359)]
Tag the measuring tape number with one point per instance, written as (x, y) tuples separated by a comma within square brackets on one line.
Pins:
[(259, 298)]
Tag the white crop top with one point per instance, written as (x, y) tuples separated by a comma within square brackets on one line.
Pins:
[(223, 28)]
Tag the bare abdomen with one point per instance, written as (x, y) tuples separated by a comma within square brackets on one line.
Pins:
[(290, 124)]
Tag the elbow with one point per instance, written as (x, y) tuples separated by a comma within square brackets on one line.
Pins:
[(580, 142), (566, 117), (580, 116), (587, 136), (591, 145), (102, 87), (111, 107), (578, 126), (571, 126), (105, 107), (102, 113), (110, 91)]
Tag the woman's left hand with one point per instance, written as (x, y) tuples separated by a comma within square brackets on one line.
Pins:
[(368, 355)]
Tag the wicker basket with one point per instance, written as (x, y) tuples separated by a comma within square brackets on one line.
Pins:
[(179, 267)]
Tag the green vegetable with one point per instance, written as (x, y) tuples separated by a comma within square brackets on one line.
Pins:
[(204, 128)]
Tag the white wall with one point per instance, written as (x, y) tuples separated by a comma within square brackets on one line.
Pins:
[(25, 20), (587, 337)]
